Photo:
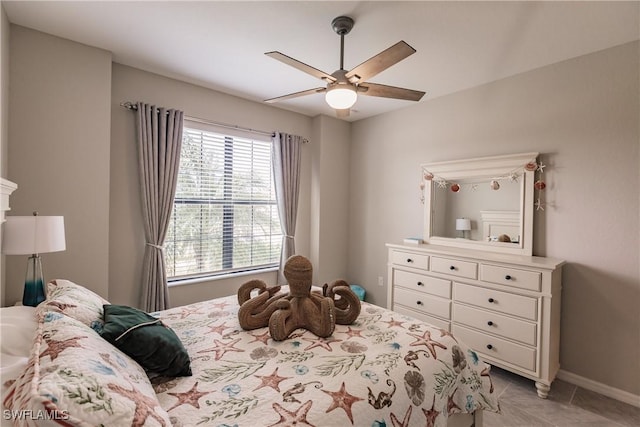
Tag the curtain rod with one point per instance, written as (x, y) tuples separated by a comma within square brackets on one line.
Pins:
[(131, 106)]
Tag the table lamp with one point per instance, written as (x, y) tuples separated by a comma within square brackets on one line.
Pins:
[(33, 235), (463, 224)]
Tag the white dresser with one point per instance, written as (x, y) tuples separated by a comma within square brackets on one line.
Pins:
[(506, 307)]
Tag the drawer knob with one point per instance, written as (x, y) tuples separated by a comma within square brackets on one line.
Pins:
[(490, 323), (409, 260), (419, 302), (420, 284), (491, 300), (489, 346), (453, 267), (507, 277)]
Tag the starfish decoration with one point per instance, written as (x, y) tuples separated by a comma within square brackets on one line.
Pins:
[(263, 338), (60, 305), (186, 311), (541, 167), (144, 405), (353, 332), (513, 177), (190, 397), (320, 342), (451, 405), (426, 340), (217, 329), (297, 418), (393, 323), (221, 348), (220, 305), (55, 347), (272, 381), (431, 414), (405, 420), (474, 187), (444, 332), (539, 205), (342, 399), (441, 183)]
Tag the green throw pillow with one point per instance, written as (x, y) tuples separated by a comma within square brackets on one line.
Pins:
[(146, 340)]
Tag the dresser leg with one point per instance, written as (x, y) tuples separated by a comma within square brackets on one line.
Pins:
[(543, 389)]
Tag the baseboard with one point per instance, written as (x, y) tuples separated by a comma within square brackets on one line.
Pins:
[(605, 390)]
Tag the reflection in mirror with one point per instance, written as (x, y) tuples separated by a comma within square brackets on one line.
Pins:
[(483, 203), (469, 201)]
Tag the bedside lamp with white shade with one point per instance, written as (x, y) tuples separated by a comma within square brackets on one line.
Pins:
[(33, 235), (463, 224)]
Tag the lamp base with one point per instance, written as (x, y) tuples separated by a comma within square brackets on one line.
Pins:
[(34, 292)]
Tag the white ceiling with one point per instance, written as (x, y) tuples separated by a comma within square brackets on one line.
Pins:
[(221, 45)]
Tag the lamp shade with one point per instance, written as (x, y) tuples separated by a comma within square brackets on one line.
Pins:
[(463, 224), (341, 96), (24, 235)]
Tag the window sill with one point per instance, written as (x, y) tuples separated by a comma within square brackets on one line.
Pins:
[(203, 279)]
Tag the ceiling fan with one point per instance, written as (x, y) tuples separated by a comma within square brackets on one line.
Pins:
[(344, 86)]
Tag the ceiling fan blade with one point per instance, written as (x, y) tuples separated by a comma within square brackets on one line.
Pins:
[(296, 94), (341, 114), (384, 91), (380, 62), (301, 66)]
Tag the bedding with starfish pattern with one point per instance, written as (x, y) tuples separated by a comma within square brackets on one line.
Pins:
[(385, 369)]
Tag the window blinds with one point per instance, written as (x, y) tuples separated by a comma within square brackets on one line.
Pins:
[(225, 217)]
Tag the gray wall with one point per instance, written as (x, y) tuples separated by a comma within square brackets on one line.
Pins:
[(4, 90), (330, 198), (4, 114), (59, 152), (582, 115)]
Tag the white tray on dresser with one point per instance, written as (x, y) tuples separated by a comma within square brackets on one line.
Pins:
[(506, 307)]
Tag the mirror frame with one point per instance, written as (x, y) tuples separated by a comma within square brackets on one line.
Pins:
[(496, 167)]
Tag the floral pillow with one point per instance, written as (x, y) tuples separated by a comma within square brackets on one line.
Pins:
[(76, 378), (75, 301)]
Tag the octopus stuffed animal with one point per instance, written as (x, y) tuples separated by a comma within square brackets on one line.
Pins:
[(284, 312)]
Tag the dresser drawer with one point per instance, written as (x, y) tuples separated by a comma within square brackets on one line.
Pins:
[(435, 321), (410, 259), (502, 302), (422, 283), (494, 323), (423, 303), (524, 279), (496, 348), (454, 267)]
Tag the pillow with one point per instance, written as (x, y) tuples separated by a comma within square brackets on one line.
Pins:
[(18, 324), (147, 340), (76, 378), (75, 301)]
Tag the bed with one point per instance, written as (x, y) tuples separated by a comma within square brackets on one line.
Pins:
[(385, 369)]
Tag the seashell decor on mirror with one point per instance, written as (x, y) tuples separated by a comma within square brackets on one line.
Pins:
[(513, 176), (284, 312)]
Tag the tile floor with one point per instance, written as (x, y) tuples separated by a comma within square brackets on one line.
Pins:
[(567, 406)]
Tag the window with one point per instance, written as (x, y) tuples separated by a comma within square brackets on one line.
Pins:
[(225, 218)]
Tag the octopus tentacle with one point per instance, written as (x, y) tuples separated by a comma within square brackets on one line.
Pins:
[(244, 293), (347, 306), (255, 312), (280, 326)]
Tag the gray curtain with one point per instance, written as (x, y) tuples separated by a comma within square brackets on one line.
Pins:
[(159, 141), (286, 172)]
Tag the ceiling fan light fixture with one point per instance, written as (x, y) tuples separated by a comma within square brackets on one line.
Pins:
[(341, 97)]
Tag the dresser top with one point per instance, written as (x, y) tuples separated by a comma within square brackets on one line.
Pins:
[(532, 261)]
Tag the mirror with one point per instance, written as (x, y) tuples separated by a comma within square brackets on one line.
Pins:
[(482, 203)]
